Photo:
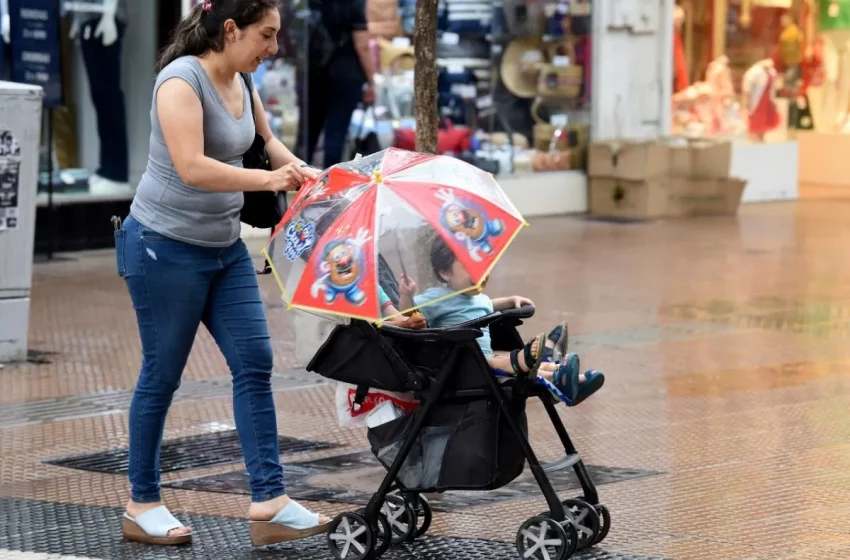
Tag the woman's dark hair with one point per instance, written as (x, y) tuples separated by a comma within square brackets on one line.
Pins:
[(442, 258), (203, 31)]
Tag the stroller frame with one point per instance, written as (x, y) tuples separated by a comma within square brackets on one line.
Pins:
[(573, 523)]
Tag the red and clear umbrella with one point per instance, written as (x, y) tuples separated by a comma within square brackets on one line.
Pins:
[(385, 211)]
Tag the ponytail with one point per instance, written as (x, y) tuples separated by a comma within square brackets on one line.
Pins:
[(203, 31), (189, 38)]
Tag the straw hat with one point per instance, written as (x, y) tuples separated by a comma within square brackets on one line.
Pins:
[(520, 65), (390, 55)]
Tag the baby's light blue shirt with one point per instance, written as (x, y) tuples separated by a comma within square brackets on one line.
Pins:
[(455, 310)]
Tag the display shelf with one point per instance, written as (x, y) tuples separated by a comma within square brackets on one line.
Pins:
[(770, 170), (553, 193)]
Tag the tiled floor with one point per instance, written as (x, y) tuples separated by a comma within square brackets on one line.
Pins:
[(725, 342)]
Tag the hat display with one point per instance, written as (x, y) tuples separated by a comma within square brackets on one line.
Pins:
[(520, 66)]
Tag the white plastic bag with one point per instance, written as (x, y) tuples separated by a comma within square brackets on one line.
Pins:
[(348, 417)]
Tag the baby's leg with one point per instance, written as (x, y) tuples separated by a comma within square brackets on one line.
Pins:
[(557, 342), (525, 360)]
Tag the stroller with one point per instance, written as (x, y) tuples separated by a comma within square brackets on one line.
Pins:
[(470, 433)]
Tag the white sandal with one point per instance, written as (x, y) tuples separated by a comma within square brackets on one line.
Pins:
[(291, 523), (153, 526)]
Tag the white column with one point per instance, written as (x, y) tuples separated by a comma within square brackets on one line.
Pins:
[(632, 69)]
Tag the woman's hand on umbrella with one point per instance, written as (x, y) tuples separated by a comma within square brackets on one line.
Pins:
[(290, 177)]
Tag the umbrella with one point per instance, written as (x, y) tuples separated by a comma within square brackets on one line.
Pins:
[(387, 209)]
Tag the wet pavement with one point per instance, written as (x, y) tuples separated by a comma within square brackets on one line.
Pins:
[(722, 432)]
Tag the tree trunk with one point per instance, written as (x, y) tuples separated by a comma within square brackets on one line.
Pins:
[(425, 76)]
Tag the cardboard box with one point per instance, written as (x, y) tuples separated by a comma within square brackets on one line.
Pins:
[(632, 161), (664, 197), (642, 161), (701, 158)]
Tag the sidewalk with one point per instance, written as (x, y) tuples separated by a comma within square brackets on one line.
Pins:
[(720, 433)]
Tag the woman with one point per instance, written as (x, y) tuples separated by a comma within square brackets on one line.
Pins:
[(180, 254)]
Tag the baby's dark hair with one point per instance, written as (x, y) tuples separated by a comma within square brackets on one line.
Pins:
[(442, 258)]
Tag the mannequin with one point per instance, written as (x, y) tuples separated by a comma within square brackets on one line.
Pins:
[(759, 98), (99, 25), (5, 38), (833, 19), (5, 21), (719, 77)]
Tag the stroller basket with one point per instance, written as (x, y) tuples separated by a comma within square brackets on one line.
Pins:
[(462, 446)]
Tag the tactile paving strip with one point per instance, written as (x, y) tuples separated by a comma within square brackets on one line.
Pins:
[(95, 532), (351, 478), (191, 452)]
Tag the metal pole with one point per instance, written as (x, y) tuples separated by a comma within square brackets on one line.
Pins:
[(51, 213)]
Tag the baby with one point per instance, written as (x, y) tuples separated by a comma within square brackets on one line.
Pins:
[(544, 355)]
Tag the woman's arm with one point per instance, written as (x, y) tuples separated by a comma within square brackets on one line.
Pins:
[(181, 117), (361, 45)]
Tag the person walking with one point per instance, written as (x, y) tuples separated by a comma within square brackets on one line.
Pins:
[(184, 263), (339, 76)]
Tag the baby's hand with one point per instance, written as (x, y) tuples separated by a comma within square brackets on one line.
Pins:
[(406, 286), (520, 301), (415, 321)]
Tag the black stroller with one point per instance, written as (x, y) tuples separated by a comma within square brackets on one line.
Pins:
[(470, 433)]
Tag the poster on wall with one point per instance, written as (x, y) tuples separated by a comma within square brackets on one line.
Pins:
[(36, 46), (10, 167)]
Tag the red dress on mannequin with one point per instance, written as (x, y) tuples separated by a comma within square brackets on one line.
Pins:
[(680, 63), (765, 116)]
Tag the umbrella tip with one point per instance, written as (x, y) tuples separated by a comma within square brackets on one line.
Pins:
[(378, 177)]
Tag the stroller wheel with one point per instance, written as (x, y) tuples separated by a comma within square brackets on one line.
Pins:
[(423, 515), (604, 523), (402, 518), (543, 538), (350, 537), (382, 533), (384, 538), (586, 521)]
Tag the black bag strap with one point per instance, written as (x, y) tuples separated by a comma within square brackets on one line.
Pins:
[(249, 83)]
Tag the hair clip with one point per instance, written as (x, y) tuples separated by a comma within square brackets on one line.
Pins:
[(207, 5)]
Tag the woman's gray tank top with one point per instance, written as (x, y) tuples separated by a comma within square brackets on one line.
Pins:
[(167, 205)]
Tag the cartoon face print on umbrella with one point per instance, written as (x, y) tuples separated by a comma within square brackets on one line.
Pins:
[(341, 268), (469, 224)]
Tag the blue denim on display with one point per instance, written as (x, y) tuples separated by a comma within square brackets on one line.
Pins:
[(407, 12)]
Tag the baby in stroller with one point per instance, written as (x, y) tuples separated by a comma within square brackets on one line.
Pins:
[(543, 358)]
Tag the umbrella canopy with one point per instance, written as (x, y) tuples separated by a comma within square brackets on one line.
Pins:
[(385, 212)]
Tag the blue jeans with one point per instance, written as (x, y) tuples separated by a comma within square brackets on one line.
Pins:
[(175, 287)]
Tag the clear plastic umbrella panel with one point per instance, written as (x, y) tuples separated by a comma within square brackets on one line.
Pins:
[(376, 218)]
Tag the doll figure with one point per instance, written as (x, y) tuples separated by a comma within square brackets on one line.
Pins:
[(759, 98)]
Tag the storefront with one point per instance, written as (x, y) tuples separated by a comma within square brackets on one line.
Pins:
[(514, 92), (515, 96), (755, 72)]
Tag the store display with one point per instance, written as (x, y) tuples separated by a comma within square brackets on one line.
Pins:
[(99, 26)]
